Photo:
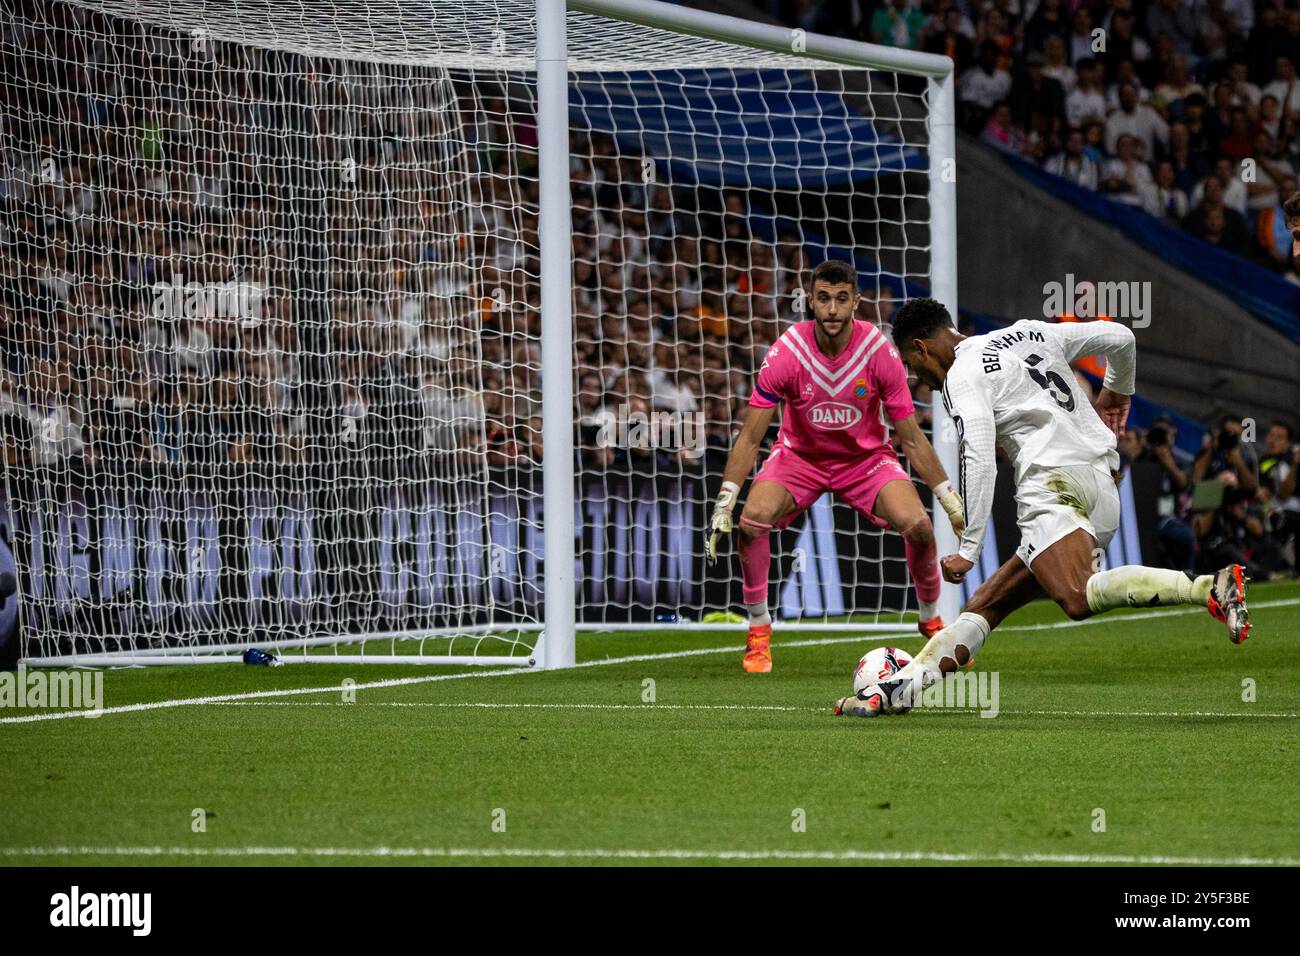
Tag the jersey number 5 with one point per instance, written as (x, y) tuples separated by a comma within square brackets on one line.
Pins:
[(1051, 382)]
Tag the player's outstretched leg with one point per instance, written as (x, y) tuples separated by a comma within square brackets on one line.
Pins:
[(1222, 593), (1064, 573)]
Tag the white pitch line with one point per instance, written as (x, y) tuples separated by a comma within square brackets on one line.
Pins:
[(827, 856), (405, 681), (1138, 616), (500, 705), (601, 662), (253, 695)]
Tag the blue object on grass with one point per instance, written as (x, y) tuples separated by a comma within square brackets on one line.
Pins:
[(262, 658)]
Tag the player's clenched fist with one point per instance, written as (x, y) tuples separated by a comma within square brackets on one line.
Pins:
[(952, 504), (720, 522), (954, 568)]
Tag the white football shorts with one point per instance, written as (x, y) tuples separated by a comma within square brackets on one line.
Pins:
[(1054, 500)]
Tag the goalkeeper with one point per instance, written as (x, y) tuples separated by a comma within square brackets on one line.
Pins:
[(833, 374)]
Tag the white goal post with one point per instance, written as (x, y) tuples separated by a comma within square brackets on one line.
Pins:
[(306, 290)]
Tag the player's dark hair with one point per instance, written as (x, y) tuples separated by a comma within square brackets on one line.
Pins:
[(919, 319), (1291, 209), (834, 272)]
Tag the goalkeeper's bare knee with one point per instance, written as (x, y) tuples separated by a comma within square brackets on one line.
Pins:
[(920, 533)]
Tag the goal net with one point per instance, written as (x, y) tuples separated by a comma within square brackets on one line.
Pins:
[(272, 326)]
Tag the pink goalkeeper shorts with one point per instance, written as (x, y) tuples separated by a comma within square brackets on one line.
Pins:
[(855, 481)]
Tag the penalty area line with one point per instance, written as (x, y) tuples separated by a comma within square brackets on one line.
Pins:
[(742, 856)]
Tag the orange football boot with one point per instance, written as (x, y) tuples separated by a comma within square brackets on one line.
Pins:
[(930, 628), (1227, 601), (758, 649)]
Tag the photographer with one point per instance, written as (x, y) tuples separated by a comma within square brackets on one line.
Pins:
[(1224, 458), (1174, 526), (1224, 533), (1278, 470)]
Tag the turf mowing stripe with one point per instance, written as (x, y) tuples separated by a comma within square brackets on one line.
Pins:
[(831, 856), (498, 705), (402, 681), (601, 662), (1139, 713)]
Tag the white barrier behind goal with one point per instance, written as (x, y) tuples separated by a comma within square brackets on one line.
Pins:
[(298, 296)]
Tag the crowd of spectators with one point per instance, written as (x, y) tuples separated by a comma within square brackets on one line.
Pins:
[(350, 322), (370, 311), (1235, 501), (1187, 109)]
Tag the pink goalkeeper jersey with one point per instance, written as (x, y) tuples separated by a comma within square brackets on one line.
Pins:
[(832, 405)]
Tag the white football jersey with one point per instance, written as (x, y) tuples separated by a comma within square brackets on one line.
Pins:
[(1014, 389)]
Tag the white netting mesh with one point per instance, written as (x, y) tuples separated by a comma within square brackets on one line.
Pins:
[(270, 319), (443, 34), (701, 200)]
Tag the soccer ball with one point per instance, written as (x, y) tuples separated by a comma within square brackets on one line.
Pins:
[(880, 664)]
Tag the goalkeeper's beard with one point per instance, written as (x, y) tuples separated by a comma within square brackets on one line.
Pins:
[(840, 337)]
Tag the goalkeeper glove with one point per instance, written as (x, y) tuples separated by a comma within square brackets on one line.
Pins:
[(952, 503), (720, 522)]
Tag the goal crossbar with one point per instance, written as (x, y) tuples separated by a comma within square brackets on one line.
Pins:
[(766, 36)]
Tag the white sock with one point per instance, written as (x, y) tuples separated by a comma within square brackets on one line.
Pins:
[(758, 615), (1135, 586), (929, 610), (969, 631)]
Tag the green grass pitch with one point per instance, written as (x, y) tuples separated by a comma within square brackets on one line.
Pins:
[(1125, 739)]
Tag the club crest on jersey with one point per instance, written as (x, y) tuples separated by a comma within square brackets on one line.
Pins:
[(860, 388), (808, 390), (834, 416)]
